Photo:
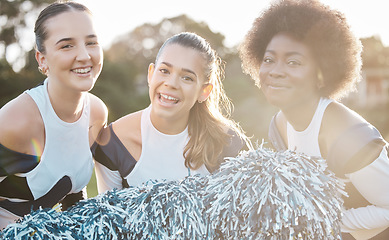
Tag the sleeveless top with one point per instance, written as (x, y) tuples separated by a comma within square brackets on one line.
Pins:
[(162, 155), (341, 155), (65, 166), (301, 141)]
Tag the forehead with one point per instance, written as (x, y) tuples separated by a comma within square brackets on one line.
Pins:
[(183, 58), (286, 43), (70, 24)]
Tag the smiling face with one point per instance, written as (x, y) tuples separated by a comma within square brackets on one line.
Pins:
[(176, 82), (73, 56), (288, 73)]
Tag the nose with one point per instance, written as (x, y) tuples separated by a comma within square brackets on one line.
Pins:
[(172, 81), (277, 70), (83, 53)]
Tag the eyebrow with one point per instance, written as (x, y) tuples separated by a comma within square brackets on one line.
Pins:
[(70, 39), (182, 69), (288, 53)]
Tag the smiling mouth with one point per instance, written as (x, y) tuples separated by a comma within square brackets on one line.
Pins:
[(276, 86), (82, 70), (167, 99)]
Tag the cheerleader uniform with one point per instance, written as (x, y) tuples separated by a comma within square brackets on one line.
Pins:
[(368, 204), (161, 158), (64, 168)]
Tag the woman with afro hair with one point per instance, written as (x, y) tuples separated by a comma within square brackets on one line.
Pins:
[(304, 57)]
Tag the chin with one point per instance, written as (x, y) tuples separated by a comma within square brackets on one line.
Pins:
[(87, 87), (276, 102)]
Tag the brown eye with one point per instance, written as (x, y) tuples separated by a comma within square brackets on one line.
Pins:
[(187, 78), (294, 63), (91, 43), (163, 70), (66, 46), (267, 60)]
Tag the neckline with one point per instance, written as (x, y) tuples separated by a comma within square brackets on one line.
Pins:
[(148, 119), (54, 114), (310, 125)]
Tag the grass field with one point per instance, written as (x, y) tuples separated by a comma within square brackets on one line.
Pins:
[(92, 186)]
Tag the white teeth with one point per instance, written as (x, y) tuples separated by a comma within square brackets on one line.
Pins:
[(82, 70), (169, 97)]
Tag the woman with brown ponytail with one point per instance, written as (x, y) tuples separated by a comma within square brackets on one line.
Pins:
[(47, 131), (182, 132)]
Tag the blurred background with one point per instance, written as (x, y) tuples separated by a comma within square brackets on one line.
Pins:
[(122, 84)]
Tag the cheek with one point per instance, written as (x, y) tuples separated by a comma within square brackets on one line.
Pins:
[(153, 83), (262, 77), (192, 93), (97, 55), (306, 79), (263, 72), (61, 60)]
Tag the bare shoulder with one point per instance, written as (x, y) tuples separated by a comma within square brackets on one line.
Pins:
[(128, 130), (99, 111), (349, 140), (98, 116), (337, 119), (20, 122), (128, 125), (341, 117)]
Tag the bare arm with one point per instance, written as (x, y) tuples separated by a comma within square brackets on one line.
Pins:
[(21, 126), (98, 117), (356, 151)]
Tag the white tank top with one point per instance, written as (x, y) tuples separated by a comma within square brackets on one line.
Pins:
[(162, 155), (307, 141), (66, 151)]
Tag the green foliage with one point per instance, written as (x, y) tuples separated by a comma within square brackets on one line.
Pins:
[(118, 88), (12, 84), (14, 13)]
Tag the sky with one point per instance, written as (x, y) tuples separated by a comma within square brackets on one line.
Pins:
[(231, 18)]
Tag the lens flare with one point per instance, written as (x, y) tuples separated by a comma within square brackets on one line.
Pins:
[(37, 149)]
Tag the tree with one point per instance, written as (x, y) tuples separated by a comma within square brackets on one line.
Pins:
[(13, 15), (12, 83), (375, 54), (144, 41)]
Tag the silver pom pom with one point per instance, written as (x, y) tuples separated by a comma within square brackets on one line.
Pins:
[(259, 194), (262, 194), (166, 210)]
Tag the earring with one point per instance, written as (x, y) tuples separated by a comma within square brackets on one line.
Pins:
[(200, 101), (43, 71)]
